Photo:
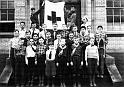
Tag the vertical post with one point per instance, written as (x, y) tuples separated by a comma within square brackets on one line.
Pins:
[(93, 15)]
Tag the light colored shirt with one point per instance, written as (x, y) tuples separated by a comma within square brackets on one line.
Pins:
[(22, 33), (57, 43), (14, 42), (53, 53), (42, 34), (30, 52), (35, 31), (91, 52)]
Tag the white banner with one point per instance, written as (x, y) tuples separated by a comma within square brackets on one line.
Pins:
[(54, 13)]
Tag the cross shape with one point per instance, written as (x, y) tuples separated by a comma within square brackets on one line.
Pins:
[(53, 18)]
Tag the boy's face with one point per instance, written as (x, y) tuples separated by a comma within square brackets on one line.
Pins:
[(89, 28), (99, 29), (44, 26), (28, 35), (63, 43), (48, 34), (58, 36), (92, 41), (74, 29), (76, 40), (32, 11), (83, 30), (21, 42), (22, 25), (51, 47), (35, 37), (34, 25), (55, 27), (41, 41), (16, 34), (64, 26), (31, 41), (71, 35)]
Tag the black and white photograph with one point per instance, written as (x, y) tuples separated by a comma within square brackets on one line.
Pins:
[(61, 43)]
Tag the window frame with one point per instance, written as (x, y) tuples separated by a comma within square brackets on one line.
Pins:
[(114, 24), (7, 12)]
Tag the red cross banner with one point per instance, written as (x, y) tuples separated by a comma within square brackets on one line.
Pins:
[(54, 13)]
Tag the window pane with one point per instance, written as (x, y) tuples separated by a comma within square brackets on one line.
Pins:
[(109, 3), (122, 18), (11, 11), (109, 12), (3, 11), (122, 3), (10, 4), (4, 17), (109, 19), (116, 11), (122, 11), (10, 16), (117, 3), (3, 4), (116, 18)]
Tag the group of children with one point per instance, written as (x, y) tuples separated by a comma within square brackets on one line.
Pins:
[(44, 54)]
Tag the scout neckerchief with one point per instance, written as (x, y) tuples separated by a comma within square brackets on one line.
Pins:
[(75, 46), (62, 48), (50, 55), (33, 49)]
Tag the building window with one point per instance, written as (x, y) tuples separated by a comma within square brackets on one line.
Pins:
[(115, 15), (7, 10)]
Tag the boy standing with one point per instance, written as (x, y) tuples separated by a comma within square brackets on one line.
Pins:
[(76, 60), (41, 57), (50, 63), (20, 63), (62, 62), (92, 60), (30, 56)]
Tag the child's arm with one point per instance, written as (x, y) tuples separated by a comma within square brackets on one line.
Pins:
[(86, 55), (10, 45), (97, 55), (26, 60)]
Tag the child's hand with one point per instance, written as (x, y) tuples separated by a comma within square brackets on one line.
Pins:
[(71, 63), (97, 63), (67, 64), (86, 64), (81, 63), (57, 64)]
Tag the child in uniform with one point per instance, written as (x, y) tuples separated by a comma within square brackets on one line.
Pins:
[(30, 56), (62, 61), (41, 57), (20, 63), (76, 60), (50, 63), (13, 45), (92, 60)]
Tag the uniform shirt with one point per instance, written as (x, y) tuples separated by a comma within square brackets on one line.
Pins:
[(53, 53), (14, 42), (34, 30), (21, 50), (42, 34), (57, 43), (22, 33), (29, 51), (91, 52)]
